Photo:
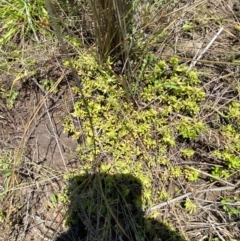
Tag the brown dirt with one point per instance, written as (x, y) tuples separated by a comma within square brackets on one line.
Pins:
[(48, 151)]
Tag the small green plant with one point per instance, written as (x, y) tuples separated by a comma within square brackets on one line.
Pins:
[(163, 195), (6, 165), (188, 26), (191, 175), (231, 205), (48, 84), (175, 172), (234, 110), (190, 206), (53, 202), (187, 153), (10, 96), (220, 172), (229, 157), (188, 128), (168, 137)]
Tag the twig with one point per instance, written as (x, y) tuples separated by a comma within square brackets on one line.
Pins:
[(168, 202), (187, 195), (214, 202), (42, 89), (56, 137), (41, 182), (207, 47), (26, 221), (213, 177), (217, 189), (218, 234)]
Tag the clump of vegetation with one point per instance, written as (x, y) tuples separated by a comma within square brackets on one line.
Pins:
[(112, 20), (231, 205), (229, 155), (21, 20), (116, 201), (131, 137)]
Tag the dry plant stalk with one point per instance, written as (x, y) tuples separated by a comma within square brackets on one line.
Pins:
[(111, 25)]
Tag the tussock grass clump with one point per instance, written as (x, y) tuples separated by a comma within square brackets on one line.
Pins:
[(111, 20)]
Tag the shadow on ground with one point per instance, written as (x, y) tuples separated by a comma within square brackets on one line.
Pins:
[(108, 207)]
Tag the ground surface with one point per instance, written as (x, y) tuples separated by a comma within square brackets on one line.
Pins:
[(34, 125)]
